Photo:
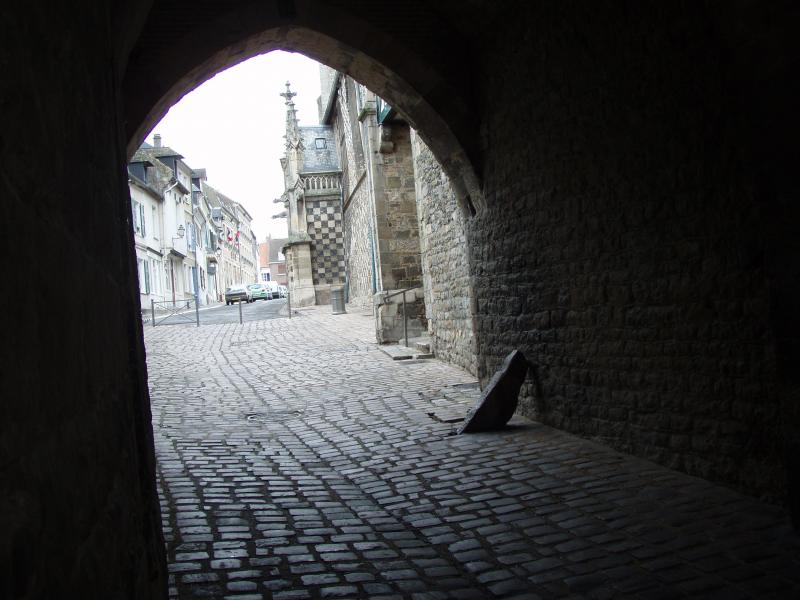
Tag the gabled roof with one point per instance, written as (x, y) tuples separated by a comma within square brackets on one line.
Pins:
[(165, 151), (145, 186), (217, 199), (161, 174)]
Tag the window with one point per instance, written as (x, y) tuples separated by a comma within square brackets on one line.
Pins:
[(141, 220), (146, 267), (320, 143), (143, 270), (154, 221), (135, 207), (154, 271)]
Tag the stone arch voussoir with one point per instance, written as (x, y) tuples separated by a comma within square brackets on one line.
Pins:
[(414, 80)]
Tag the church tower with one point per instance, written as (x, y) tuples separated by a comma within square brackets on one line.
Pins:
[(312, 198)]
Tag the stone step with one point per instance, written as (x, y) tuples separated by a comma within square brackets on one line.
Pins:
[(423, 346), (399, 352)]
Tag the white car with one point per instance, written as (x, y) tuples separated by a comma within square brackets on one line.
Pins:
[(273, 287)]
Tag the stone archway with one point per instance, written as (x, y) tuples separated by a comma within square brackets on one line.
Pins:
[(637, 235), (432, 90)]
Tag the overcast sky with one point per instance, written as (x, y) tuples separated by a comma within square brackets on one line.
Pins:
[(233, 126)]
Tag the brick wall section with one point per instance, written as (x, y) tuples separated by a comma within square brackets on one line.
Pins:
[(78, 510), (445, 261), (622, 249), (263, 256)]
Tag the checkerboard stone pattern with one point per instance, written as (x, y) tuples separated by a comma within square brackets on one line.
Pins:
[(324, 220)]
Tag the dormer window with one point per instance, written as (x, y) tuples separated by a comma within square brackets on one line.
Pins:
[(320, 143)]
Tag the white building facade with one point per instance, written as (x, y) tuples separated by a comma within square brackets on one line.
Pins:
[(146, 217), (191, 241)]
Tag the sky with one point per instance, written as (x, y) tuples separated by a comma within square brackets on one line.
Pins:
[(233, 126)]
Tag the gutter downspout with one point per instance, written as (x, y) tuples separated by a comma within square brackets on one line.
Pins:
[(171, 263)]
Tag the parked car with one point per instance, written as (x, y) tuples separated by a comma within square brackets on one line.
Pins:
[(284, 292), (237, 293), (259, 291), (273, 287)]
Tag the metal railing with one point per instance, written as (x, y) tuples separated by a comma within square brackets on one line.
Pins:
[(405, 313), (177, 309)]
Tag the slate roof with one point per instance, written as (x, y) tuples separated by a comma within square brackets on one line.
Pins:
[(319, 159), (218, 199), (165, 151), (163, 173), (145, 186)]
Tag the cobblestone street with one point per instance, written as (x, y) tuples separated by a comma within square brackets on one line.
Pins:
[(295, 460)]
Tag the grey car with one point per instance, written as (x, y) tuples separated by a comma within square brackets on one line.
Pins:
[(237, 293)]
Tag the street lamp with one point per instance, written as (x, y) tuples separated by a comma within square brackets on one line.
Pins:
[(218, 254)]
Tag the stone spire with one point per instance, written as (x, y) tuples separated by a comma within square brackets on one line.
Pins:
[(292, 130)]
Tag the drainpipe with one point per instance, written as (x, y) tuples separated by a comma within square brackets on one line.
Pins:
[(172, 279), (346, 271), (372, 260), (171, 263)]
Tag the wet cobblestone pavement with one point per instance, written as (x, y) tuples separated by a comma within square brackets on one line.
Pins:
[(295, 460)]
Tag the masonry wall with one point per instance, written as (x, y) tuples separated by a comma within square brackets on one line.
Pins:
[(78, 508), (358, 245), (396, 212), (622, 247), (324, 226), (445, 261), (638, 243), (358, 197)]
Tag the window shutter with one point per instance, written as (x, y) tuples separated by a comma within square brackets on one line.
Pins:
[(135, 215), (146, 265)]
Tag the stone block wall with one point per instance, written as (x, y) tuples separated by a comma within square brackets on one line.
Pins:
[(395, 319), (445, 261), (396, 211), (299, 270), (79, 513), (637, 242), (351, 133), (358, 251), (622, 246), (326, 231)]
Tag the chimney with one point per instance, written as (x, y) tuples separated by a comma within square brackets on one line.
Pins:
[(157, 141)]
